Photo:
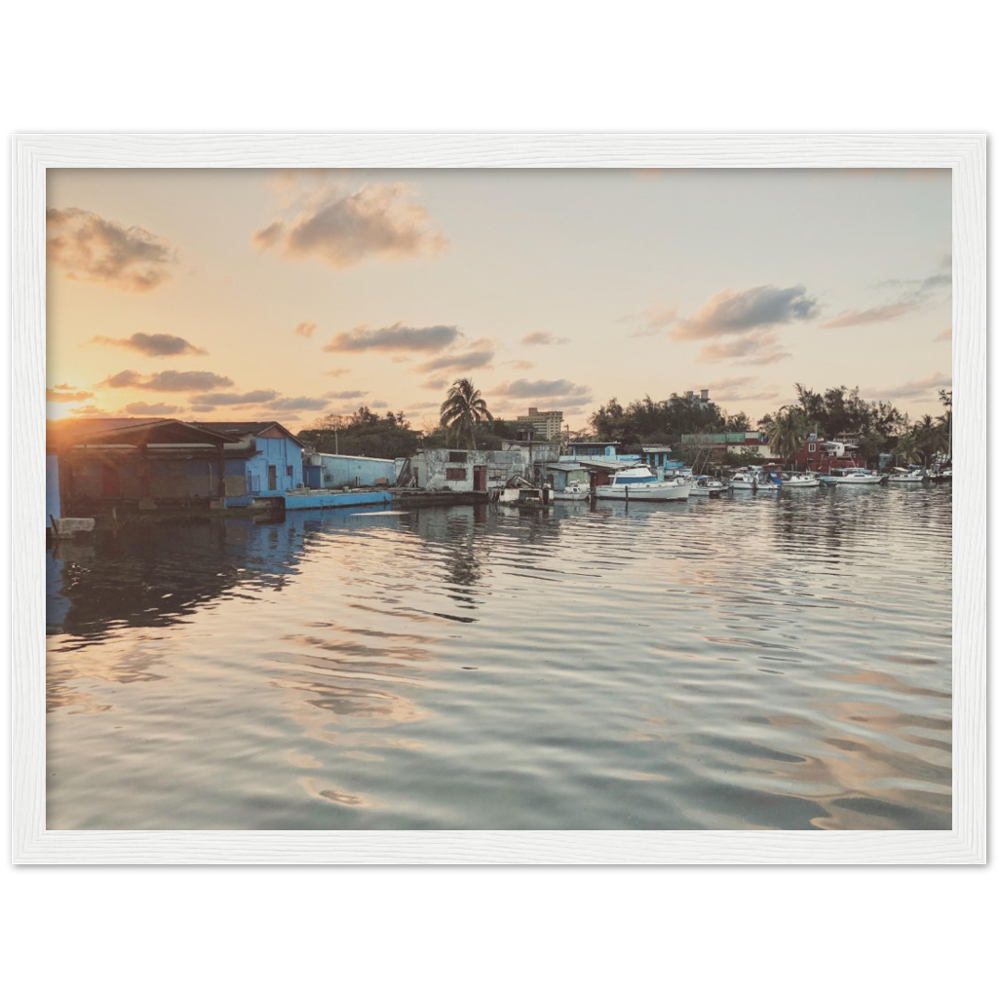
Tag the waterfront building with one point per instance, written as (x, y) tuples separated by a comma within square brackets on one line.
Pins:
[(463, 471), (322, 471), (547, 423)]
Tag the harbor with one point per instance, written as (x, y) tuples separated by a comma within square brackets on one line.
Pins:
[(530, 500)]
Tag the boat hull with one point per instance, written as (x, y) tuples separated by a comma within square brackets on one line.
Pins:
[(657, 491)]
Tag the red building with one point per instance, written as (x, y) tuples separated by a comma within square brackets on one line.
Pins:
[(822, 456)]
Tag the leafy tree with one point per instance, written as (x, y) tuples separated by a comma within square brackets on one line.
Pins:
[(464, 410), (364, 433)]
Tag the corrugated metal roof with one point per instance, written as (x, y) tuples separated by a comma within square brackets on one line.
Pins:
[(243, 427)]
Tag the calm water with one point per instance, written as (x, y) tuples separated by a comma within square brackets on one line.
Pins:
[(745, 663)]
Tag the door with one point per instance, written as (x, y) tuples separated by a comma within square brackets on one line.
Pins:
[(272, 477), (479, 477)]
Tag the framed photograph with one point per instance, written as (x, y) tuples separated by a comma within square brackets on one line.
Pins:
[(522, 499)]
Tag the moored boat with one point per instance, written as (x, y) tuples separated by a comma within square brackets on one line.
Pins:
[(756, 480), (903, 476), (851, 477), (798, 480), (705, 486), (639, 482), (743, 481)]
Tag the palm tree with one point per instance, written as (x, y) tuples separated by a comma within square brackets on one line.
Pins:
[(463, 410), (906, 449), (931, 438), (787, 432)]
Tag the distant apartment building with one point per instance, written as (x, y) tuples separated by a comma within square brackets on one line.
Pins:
[(701, 399), (547, 423)]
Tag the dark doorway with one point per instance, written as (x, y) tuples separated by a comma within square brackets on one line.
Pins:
[(272, 477), (479, 477)]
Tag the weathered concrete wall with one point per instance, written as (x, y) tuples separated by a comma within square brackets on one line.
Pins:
[(432, 468)]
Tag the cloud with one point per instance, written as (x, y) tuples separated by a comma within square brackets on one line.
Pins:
[(87, 247), (299, 403), (652, 321), (90, 411), (305, 329), (173, 381), (522, 365), (234, 398), (379, 404), (121, 381), (202, 408), (862, 317), (337, 372), (762, 348), (394, 338), (151, 409), (346, 394), (916, 389), (912, 294), (543, 337), (758, 308), (923, 289), (523, 388), (67, 394), (154, 345), (434, 384), (555, 393), (168, 381), (342, 227), (944, 335), (479, 357)]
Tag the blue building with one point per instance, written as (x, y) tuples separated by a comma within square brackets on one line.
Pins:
[(267, 455), (172, 462), (347, 471)]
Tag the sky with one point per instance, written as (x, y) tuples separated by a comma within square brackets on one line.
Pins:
[(294, 294)]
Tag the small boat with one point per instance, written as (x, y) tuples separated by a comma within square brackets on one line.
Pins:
[(899, 475), (851, 477), (798, 480), (573, 491), (639, 482), (759, 482), (743, 481), (705, 486)]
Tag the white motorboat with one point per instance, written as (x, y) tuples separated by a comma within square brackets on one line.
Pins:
[(759, 482), (851, 477), (743, 481), (899, 475), (798, 480), (705, 486), (639, 482)]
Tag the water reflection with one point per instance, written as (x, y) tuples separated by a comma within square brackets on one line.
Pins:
[(772, 662)]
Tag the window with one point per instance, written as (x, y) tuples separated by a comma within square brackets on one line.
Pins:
[(812, 447), (460, 474), (288, 471), (457, 456)]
